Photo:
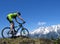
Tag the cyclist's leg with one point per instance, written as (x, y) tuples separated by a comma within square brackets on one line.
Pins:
[(12, 28), (11, 24)]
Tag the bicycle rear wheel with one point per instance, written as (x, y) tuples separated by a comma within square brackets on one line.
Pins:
[(24, 32), (5, 32)]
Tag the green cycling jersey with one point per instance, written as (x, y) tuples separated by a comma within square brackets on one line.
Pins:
[(11, 16)]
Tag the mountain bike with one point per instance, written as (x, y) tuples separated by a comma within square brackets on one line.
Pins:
[(23, 32)]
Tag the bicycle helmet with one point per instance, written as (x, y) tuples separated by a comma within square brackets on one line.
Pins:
[(18, 13)]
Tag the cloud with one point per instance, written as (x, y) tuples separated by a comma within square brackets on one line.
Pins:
[(41, 23)]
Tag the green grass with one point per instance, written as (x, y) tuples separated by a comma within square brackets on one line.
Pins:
[(24, 40)]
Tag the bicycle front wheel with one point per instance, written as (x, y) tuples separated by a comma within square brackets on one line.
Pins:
[(24, 32), (5, 32)]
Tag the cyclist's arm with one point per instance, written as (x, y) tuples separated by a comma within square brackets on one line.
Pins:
[(21, 18), (16, 20)]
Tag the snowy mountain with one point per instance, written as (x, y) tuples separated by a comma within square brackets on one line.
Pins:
[(46, 32)]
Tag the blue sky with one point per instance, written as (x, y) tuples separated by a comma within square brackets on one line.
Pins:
[(33, 11)]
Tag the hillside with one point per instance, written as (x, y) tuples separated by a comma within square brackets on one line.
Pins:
[(24, 40)]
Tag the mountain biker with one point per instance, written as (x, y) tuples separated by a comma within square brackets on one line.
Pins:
[(12, 16)]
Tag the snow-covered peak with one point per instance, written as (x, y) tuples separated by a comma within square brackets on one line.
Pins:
[(50, 30)]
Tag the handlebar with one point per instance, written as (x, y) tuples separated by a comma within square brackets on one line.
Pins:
[(20, 23)]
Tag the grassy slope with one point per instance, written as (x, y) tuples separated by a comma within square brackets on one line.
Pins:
[(22, 40)]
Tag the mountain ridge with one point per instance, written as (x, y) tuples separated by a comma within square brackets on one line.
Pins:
[(47, 32)]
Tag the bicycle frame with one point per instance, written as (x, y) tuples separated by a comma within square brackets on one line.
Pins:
[(19, 26)]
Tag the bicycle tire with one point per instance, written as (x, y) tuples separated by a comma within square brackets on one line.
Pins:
[(21, 32), (5, 35)]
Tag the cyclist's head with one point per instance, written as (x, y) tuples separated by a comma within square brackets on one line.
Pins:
[(18, 13)]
